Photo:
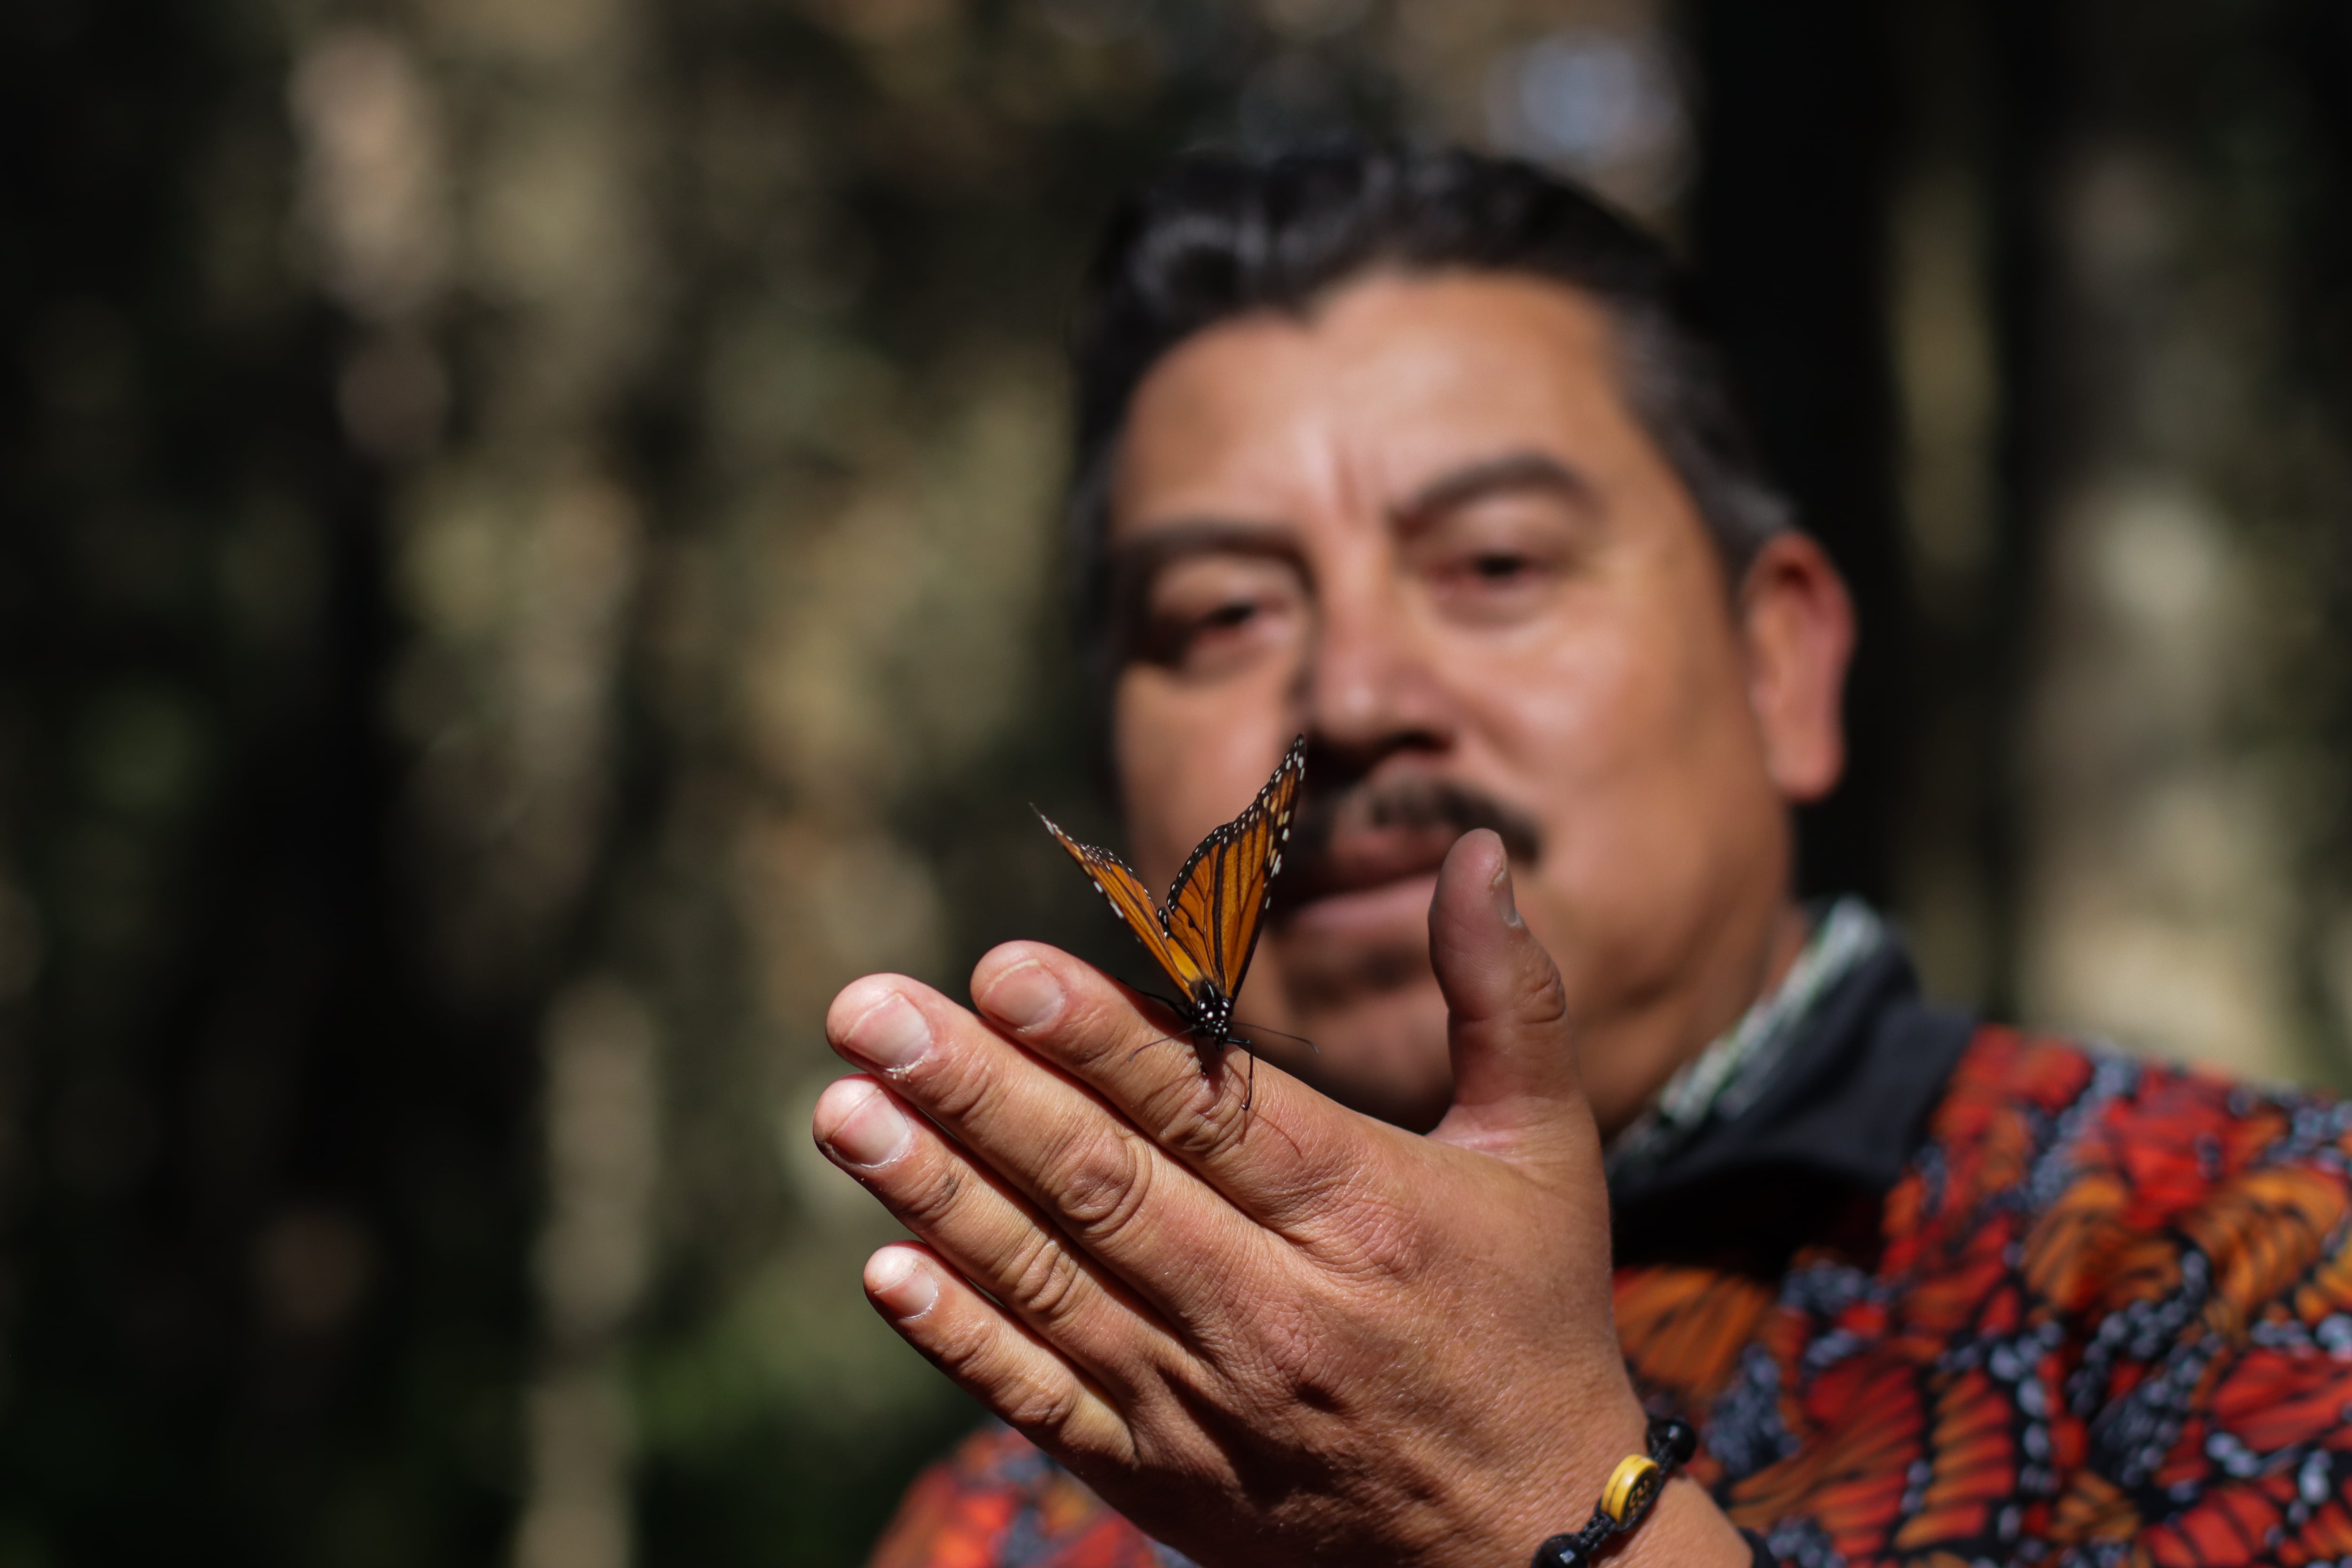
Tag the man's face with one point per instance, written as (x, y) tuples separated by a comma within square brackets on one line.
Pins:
[(1422, 526)]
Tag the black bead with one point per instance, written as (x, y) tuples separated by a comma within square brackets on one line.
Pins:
[(1673, 1440), (1561, 1551)]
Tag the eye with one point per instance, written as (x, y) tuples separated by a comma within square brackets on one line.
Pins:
[(1500, 559), (1492, 579), (1177, 633), (1225, 616), (1200, 639), (1206, 617)]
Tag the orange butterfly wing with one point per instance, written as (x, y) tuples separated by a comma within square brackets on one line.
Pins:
[(1218, 900), (1205, 938), (1114, 882)]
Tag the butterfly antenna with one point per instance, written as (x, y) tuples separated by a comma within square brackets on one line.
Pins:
[(1261, 1028)]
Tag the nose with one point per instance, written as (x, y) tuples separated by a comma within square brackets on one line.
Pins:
[(1367, 689)]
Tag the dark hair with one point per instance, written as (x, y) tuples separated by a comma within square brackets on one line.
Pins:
[(1220, 235)]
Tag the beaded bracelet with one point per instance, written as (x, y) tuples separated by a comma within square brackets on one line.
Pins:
[(1633, 1485)]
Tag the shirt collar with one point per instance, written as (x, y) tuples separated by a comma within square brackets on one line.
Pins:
[(1726, 1078), (1834, 1072)]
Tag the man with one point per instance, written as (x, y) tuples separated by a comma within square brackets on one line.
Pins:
[(1423, 456)]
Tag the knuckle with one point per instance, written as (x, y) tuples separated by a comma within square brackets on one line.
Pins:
[(1546, 1004), (933, 1197), (956, 1089), (1096, 1033), (1045, 1279), (1102, 1182), (966, 1349), (1042, 1409), (1199, 1132)]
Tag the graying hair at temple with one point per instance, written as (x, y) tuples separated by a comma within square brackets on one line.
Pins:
[(1222, 235)]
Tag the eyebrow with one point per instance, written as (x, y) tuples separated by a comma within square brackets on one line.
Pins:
[(1136, 561), (1132, 565), (1522, 470)]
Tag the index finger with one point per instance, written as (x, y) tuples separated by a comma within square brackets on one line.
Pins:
[(1278, 1151)]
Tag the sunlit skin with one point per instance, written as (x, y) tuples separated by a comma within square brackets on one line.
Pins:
[(1421, 526), (1428, 531)]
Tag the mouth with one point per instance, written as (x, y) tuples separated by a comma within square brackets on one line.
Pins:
[(1366, 879), (1364, 857), (1374, 913), (1352, 863)]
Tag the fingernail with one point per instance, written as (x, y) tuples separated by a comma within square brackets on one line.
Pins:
[(899, 1284), (893, 1035), (1504, 905), (1027, 997), (867, 1130)]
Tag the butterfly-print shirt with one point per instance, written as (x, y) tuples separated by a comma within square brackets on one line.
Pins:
[(1939, 1292)]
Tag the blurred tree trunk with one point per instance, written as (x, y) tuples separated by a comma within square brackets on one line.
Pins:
[(2178, 467), (1788, 229), (261, 1216), (472, 192), (505, 146), (1958, 567)]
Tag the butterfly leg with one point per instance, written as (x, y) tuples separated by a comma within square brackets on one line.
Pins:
[(1146, 1045), (1173, 1006)]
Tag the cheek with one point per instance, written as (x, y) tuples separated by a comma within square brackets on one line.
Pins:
[(1592, 705), (1190, 757), (1637, 755)]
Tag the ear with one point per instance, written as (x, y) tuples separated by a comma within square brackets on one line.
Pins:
[(1796, 621)]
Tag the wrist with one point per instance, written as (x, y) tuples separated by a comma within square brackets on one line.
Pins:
[(1685, 1529), (1560, 1474), (1650, 1511)]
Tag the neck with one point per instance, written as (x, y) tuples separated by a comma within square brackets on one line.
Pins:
[(1629, 1055)]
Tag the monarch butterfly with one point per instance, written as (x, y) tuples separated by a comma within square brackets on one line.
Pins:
[(1204, 940)]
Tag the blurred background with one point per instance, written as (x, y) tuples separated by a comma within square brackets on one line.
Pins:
[(527, 560)]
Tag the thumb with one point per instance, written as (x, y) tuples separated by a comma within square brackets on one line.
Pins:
[(1517, 1090)]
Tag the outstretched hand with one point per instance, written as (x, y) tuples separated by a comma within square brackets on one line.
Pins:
[(1282, 1334)]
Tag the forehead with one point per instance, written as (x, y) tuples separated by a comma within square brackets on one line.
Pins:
[(1386, 380)]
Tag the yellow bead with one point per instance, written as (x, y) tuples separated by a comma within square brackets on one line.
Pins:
[(1631, 1485)]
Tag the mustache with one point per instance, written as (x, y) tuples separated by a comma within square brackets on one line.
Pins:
[(1414, 805)]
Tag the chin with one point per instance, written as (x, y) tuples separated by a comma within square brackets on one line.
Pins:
[(1378, 1050)]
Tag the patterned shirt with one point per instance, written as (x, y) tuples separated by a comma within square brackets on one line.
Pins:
[(2039, 1303)]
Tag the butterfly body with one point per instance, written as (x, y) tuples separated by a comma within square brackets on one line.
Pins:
[(1208, 1016), (1204, 938)]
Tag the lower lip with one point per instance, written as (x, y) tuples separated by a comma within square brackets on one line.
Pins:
[(1366, 912)]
